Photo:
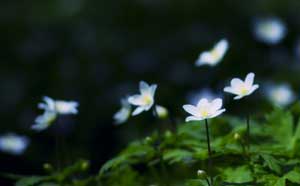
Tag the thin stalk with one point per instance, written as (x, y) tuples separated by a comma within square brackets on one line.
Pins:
[(57, 152), (209, 152), (248, 131)]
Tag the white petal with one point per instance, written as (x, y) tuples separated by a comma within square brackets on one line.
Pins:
[(216, 104), (144, 87), (136, 100), (217, 113), (221, 46), (204, 58), (249, 79), (122, 115), (137, 111), (238, 97), (202, 103), (191, 109), (253, 88), (236, 82), (193, 118), (230, 90), (153, 89)]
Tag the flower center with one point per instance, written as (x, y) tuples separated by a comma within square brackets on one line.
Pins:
[(147, 99), (244, 90), (204, 113), (215, 54)]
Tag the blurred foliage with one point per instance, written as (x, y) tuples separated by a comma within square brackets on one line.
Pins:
[(168, 158)]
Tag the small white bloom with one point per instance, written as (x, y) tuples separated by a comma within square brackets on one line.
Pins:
[(214, 56), (242, 88), (269, 30), (124, 113), (145, 100), (13, 144), (161, 111), (204, 109), (43, 121), (281, 95), (58, 106)]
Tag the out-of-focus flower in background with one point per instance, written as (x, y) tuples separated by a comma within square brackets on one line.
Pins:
[(124, 113), (59, 106), (194, 96), (43, 121), (269, 30), (215, 55), (242, 88), (204, 109), (13, 144), (279, 94), (145, 100), (52, 108), (161, 111)]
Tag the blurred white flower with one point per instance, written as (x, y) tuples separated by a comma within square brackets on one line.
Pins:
[(13, 144), (194, 96), (204, 109), (52, 108), (242, 88), (269, 30), (214, 56), (59, 106), (281, 95), (124, 113), (161, 111), (43, 121), (145, 100)]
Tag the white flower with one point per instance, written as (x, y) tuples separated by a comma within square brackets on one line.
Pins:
[(124, 113), (242, 88), (204, 109), (161, 111), (145, 100), (58, 106), (269, 30), (281, 95), (13, 144), (214, 56), (43, 121)]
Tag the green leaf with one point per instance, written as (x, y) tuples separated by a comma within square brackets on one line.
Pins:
[(30, 181), (293, 176), (237, 175), (272, 163), (177, 155)]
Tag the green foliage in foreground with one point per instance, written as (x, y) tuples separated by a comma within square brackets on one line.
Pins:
[(173, 158)]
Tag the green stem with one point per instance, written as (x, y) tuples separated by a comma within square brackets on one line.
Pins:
[(248, 132), (209, 152)]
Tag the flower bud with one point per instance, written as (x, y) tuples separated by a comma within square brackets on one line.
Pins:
[(237, 136), (48, 167), (201, 174), (162, 112)]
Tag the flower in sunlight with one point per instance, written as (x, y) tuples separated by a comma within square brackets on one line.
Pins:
[(145, 100), (59, 106), (280, 95), (269, 30), (161, 111), (242, 88), (124, 113), (13, 144), (204, 109), (43, 121), (215, 55)]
